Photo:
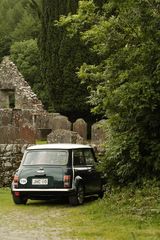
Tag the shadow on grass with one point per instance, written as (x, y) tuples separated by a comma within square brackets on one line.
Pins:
[(58, 202)]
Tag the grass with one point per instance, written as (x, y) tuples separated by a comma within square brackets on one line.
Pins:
[(127, 214), (122, 215), (41, 141)]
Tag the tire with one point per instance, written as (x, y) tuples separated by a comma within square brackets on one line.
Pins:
[(19, 199), (78, 198)]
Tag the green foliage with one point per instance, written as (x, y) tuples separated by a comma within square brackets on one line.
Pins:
[(10, 14), (137, 202), (19, 30), (25, 55), (5, 42), (125, 84), (133, 97), (27, 28), (18, 22), (61, 56)]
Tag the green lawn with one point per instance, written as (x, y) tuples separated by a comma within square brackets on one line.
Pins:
[(122, 215)]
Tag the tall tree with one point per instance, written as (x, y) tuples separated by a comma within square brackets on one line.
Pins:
[(125, 85), (61, 55)]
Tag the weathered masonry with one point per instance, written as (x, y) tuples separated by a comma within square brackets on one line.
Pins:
[(10, 158), (23, 120), (15, 92)]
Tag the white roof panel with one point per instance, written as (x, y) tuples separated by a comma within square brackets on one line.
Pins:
[(58, 146)]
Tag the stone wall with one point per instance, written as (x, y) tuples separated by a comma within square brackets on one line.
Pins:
[(24, 126), (11, 154), (10, 158), (16, 126), (23, 118)]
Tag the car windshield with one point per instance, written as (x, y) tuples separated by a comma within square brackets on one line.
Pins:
[(46, 157)]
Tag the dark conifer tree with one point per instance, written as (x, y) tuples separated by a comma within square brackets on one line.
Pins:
[(60, 58)]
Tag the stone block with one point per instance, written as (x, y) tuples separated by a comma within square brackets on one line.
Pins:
[(80, 126), (5, 117), (18, 117), (27, 134), (64, 136), (60, 122), (9, 134)]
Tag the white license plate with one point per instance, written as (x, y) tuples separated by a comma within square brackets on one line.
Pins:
[(39, 181)]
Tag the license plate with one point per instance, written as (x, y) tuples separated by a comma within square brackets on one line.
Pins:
[(40, 181)]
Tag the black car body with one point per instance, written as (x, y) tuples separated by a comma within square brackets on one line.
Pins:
[(57, 170)]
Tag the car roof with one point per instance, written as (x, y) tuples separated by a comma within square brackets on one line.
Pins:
[(58, 146)]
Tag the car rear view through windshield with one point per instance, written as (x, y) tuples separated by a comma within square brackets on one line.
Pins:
[(46, 157)]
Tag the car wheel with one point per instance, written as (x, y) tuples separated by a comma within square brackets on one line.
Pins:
[(78, 198), (19, 199)]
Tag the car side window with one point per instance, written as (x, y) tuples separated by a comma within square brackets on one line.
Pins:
[(78, 157), (89, 157)]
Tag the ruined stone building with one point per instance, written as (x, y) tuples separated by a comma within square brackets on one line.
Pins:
[(23, 120), (15, 92), (22, 116), (18, 106)]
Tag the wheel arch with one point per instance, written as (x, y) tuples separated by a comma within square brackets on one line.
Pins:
[(77, 181)]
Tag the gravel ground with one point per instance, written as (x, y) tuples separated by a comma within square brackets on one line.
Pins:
[(34, 222)]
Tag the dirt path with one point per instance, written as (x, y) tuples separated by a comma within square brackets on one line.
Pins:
[(35, 221), (42, 220)]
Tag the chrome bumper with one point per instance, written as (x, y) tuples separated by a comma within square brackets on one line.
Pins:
[(41, 190)]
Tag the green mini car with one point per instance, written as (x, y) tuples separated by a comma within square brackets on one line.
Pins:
[(51, 171)]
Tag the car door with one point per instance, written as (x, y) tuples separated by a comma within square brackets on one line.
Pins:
[(80, 168), (93, 176)]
